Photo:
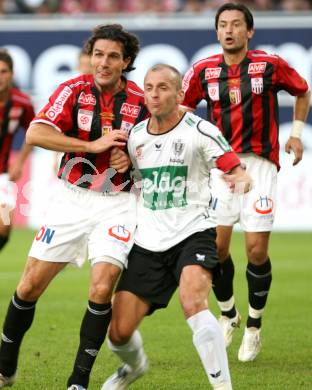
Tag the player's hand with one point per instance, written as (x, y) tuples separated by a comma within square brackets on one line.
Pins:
[(238, 180), (294, 144), (107, 141), (119, 160)]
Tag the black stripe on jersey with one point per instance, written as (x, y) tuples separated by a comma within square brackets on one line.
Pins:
[(247, 118), (225, 103), (3, 134), (211, 137), (5, 121), (204, 85), (119, 99), (142, 114), (266, 112)]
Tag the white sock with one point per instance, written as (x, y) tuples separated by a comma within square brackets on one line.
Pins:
[(131, 353), (209, 343), (253, 313), (226, 305)]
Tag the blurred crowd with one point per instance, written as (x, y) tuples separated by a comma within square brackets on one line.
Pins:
[(73, 7)]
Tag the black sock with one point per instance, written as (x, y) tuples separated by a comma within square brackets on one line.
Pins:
[(3, 241), (18, 320), (92, 335), (223, 285), (259, 279)]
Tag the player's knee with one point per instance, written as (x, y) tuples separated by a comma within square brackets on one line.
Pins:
[(257, 255), (28, 289), (101, 292), (193, 302), (119, 333), (3, 241)]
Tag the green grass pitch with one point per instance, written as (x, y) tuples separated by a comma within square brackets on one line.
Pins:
[(285, 362)]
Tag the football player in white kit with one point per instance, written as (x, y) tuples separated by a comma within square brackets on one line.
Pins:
[(172, 154)]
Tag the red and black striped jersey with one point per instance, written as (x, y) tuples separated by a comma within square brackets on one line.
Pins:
[(242, 99), (17, 112), (78, 109)]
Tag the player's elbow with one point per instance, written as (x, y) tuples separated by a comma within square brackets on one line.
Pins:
[(30, 138)]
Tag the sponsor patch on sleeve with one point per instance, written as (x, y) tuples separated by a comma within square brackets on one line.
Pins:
[(58, 104)]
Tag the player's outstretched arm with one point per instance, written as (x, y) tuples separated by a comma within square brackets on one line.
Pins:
[(47, 137)]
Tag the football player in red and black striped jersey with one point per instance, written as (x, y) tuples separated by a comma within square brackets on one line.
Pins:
[(240, 87), (16, 111), (93, 212)]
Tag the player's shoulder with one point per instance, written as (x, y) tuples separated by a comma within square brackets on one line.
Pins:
[(212, 61), (258, 56), (139, 129), (198, 124), (134, 89), (79, 82), (20, 97)]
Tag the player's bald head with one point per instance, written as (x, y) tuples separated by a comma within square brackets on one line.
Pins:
[(171, 72)]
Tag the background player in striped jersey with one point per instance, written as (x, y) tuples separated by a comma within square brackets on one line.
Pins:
[(240, 87), (92, 212), (16, 111), (172, 154)]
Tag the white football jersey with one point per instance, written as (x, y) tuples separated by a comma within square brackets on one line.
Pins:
[(173, 170)]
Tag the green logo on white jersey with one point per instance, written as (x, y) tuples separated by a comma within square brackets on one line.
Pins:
[(190, 121), (164, 187)]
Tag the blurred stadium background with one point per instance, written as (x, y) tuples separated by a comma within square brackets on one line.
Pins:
[(44, 38)]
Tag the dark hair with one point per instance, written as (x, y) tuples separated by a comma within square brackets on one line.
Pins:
[(115, 32), (236, 7), (5, 57)]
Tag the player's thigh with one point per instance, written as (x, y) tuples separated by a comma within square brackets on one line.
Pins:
[(195, 281), (128, 311), (148, 276), (36, 277), (63, 236), (224, 235), (112, 235), (196, 265)]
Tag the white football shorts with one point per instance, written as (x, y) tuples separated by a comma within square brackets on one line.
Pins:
[(254, 210), (81, 224)]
